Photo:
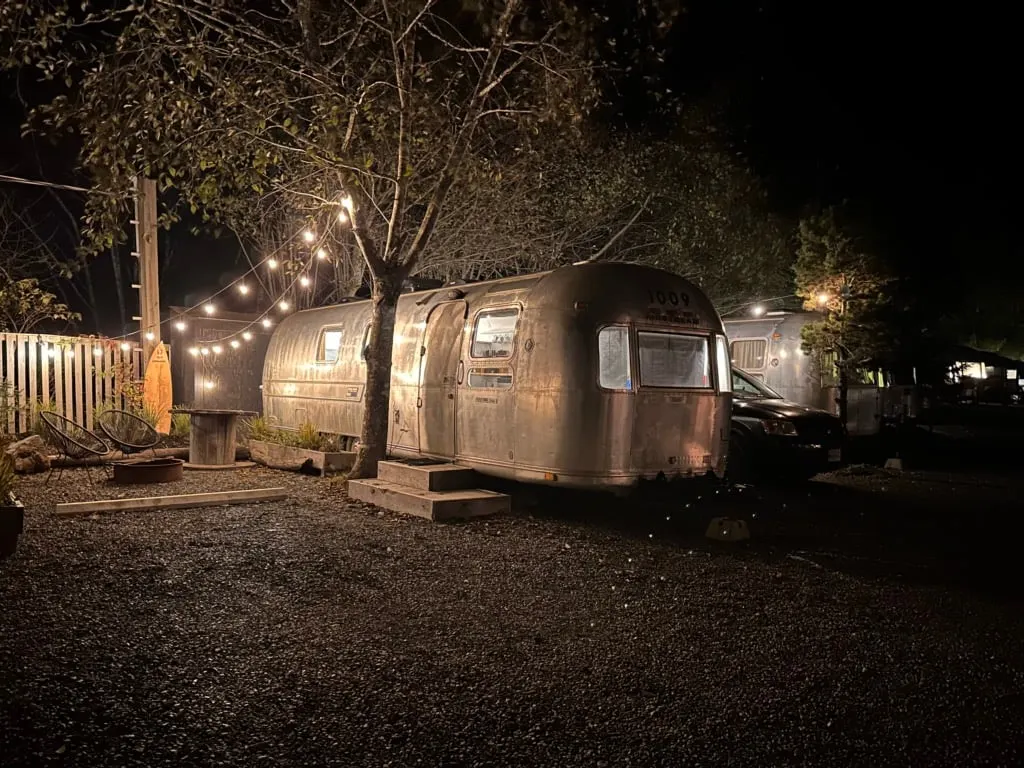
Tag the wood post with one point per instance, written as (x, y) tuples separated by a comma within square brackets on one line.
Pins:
[(149, 265)]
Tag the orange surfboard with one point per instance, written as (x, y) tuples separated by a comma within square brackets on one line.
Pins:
[(156, 388)]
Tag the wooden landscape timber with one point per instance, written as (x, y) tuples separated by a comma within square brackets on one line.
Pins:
[(278, 456), (180, 501)]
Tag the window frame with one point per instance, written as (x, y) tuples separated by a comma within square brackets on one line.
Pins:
[(321, 345), (517, 308), (506, 370), (764, 355), (631, 367), (709, 347)]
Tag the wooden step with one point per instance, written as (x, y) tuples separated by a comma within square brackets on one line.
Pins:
[(433, 505), (427, 477)]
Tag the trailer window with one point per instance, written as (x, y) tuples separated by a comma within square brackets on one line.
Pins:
[(749, 353), (490, 378), (494, 333), (723, 371), (613, 358), (330, 345), (674, 360)]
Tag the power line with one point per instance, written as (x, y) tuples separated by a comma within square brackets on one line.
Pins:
[(52, 185)]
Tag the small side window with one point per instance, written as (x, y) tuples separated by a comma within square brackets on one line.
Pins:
[(613, 358), (329, 347), (490, 378), (723, 371), (494, 333)]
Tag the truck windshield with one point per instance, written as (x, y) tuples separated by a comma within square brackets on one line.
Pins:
[(674, 360)]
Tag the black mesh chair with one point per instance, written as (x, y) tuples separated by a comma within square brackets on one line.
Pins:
[(72, 441), (128, 432)]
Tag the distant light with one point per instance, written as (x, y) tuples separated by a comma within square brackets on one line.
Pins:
[(285, 306), (342, 217), (180, 325), (71, 352), (235, 343), (304, 281), (243, 288), (346, 203), (208, 384), (757, 310), (321, 254), (308, 236), (51, 352), (193, 351), (204, 351), (217, 349), (267, 322), (823, 298), (97, 352), (150, 336), (272, 263), (125, 346), (209, 309), (247, 336)]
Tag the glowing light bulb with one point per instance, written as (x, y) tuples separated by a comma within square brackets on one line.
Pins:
[(150, 336), (97, 352), (51, 352), (267, 322), (235, 344), (208, 384), (125, 346), (304, 281), (71, 353), (209, 309), (272, 263), (243, 288), (284, 305), (247, 336), (342, 217), (757, 311), (217, 349), (346, 203), (321, 254), (204, 351), (823, 298), (194, 351), (180, 325), (308, 236)]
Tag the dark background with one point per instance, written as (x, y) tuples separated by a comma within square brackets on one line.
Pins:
[(911, 116)]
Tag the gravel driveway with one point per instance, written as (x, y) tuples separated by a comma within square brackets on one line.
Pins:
[(318, 632)]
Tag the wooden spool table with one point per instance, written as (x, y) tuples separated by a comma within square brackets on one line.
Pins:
[(212, 439)]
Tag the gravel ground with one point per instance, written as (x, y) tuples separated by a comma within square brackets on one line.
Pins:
[(317, 631)]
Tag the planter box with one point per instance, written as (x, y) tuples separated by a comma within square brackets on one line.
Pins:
[(277, 456), (12, 521)]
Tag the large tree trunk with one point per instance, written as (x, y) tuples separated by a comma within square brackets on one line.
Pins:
[(373, 443)]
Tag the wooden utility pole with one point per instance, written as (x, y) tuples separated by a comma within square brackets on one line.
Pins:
[(149, 268)]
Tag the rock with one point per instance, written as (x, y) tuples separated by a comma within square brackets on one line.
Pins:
[(29, 455)]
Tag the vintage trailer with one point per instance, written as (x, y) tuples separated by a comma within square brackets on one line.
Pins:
[(769, 348), (588, 376)]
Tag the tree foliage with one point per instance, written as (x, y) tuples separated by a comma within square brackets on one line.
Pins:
[(834, 273), (25, 306)]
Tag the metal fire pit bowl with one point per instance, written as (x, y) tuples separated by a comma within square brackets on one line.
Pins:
[(140, 471)]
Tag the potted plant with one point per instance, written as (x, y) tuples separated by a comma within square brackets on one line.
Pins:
[(12, 514)]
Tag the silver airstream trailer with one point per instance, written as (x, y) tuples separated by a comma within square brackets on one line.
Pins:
[(587, 376), (769, 348)]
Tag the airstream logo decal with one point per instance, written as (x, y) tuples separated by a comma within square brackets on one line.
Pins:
[(674, 316)]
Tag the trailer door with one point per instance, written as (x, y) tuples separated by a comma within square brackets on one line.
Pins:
[(442, 343)]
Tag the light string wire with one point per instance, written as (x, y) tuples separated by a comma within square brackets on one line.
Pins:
[(259, 320)]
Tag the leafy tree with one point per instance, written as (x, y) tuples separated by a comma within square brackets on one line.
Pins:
[(24, 305), (836, 275), (363, 116)]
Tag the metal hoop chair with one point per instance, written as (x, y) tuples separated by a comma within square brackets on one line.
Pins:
[(128, 432), (72, 441)]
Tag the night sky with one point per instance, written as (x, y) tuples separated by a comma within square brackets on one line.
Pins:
[(910, 116)]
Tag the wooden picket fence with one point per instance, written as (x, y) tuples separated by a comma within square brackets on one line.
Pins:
[(72, 375)]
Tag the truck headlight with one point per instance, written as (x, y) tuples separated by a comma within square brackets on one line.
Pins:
[(779, 427)]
